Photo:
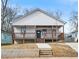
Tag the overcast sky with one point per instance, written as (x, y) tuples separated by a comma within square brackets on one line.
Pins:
[(65, 6)]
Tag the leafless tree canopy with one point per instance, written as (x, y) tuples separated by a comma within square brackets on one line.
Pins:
[(74, 20), (3, 10), (58, 14), (7, 15)]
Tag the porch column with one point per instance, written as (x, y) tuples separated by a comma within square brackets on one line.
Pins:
[(35, 35), (52, 33), (63, 34), (56, 33), (23, 37), (24, 34), (13, 35)]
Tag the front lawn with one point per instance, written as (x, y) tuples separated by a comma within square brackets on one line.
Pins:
[(63, 50)]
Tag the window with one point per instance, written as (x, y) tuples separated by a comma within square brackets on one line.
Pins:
[(23, 29), (43, 34)]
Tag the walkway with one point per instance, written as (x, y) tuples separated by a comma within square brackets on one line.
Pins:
[(43, 45)]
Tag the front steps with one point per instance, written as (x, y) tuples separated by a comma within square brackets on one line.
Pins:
[(45, 50), (45, 53)]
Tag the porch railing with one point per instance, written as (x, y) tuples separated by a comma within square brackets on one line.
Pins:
[(34, 36)]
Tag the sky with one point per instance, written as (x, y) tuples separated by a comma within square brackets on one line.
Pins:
[(65, 6)]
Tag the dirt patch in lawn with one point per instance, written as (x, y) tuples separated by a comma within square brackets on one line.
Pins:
[(20, 46), (62, 50)]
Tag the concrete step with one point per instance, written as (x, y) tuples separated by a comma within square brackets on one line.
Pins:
[(44, 53), (45, 50)]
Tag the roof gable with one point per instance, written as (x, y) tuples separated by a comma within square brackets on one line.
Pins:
[(38, 17)]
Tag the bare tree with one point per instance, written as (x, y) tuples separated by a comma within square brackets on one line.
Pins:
[(3, 11), (74, 20), (7, 15), (57, 14), (11, 14), (25, 11)]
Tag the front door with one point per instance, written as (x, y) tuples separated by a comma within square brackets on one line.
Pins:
[(38, 33), (40, 36)]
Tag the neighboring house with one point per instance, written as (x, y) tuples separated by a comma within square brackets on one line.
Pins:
[(37, 26), (6, 37), (72, 37)]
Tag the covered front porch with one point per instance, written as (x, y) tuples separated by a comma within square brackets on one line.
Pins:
[(37, 34)]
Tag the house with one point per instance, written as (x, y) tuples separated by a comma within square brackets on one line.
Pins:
[(37, 26), (74, 36)]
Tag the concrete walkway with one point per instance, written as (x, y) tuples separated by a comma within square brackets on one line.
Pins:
[(43, 45), (73, 46)]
